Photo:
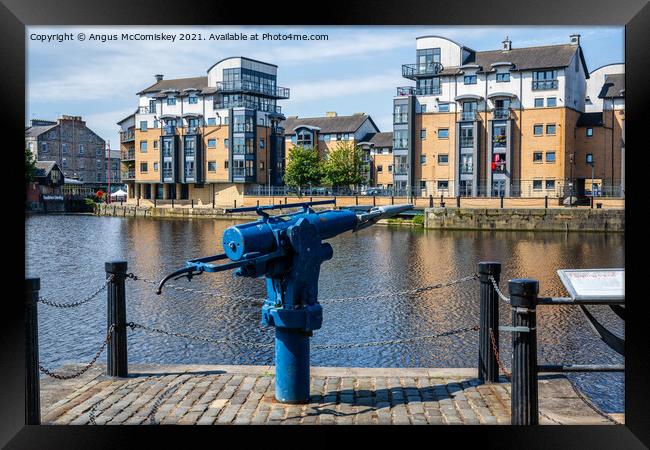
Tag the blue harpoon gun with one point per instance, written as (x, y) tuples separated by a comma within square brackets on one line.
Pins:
[(288, 250)]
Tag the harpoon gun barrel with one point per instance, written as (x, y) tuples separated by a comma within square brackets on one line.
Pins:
[(380, 212)]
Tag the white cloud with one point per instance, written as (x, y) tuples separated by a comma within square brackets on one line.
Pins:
[(326, 88)]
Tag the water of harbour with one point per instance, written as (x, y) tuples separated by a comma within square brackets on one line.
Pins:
[(68, 253)]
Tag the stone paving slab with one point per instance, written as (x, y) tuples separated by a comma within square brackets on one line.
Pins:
[(240, 395)]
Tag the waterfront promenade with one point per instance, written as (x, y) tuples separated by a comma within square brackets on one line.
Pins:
[(217, 394)]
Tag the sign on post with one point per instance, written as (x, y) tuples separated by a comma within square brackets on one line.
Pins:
[(594, 284)]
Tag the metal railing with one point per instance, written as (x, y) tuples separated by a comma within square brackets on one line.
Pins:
[(146, 110), (248, 104), (253, 87), (466, 142), (468, 115), (421, 70), (128, 174), (128, 154), (540, 85), (126, 136), (501, 113), (404, 91)]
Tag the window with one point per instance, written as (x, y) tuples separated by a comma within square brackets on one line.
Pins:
[(64, 162), (537, 157), (423, 159), (380, 168), (423, 133), (44, 147), (423, 184), (143, 125), (550, 184), (538, 130), (143, 167), (155, 123), (143, 146), (390, 168), (537, 185), (155, 144), (98, 164), (193, 99), (171, 101), (443, 133), (503, 77), (155, 166), (423, 108), (443, 107), (544, 79), (550, 157), (212, 121), (212, 143), (590, 158), (443, 159), (551, 102), (550, 128), (539, 102), (82, 150), (469, 79), (590, 132), (261, 143), (212, 166), (304, 138), (99, 151), (443, 185), (65, 149), (226, 143), (225, 164), (326, 137), (261, 165)]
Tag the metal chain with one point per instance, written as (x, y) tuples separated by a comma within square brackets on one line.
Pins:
[(86, 367), (498, 291), (80, 302), (260, 301), (498, 356), (134, 326)]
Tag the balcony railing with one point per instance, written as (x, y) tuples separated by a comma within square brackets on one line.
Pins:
[(499, 140), (243, 127), (400, 169), (255, 88), (167, 173), (540, 85), (169, 130), (128, 135), (404, 91), (146, 110), (246, 104), (468, 115), (128, 155), (501, 113), (400, 143), (466, 168), (466, 142), (414, 71), (191, 130), (128, 174)]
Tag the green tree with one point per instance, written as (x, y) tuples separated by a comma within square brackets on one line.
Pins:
[(30, 166), (303, 168), (344, 165)]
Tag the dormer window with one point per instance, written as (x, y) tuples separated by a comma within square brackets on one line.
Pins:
[(304, 138), (469, 79), (171, 101), (503, 77)]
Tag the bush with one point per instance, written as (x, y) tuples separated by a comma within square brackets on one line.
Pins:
[(419, 220)]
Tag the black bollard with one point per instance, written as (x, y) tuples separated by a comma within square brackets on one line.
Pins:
[(524, 399), (442, 200), (356, 200), (137, 202), (32, 383), (374, 201), (392, 200), (172, 202), (430, 201), (488, 368), (458, 201), (591, 202), (546, 202), (155, 202), (258, 203), (117, 364), (501, 196), (235, 203)]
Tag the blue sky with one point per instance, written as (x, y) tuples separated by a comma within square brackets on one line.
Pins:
[(356, 70)]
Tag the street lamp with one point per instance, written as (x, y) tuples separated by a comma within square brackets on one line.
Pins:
[(571, 180)]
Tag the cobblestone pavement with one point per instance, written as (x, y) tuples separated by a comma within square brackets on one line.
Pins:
[(206, 395)]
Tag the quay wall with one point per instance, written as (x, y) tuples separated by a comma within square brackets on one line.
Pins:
[(552, 219)]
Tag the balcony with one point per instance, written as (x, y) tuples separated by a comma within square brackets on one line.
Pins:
[(499, 141), (468, 116), (250, 87), (246, 104), (466, 169), (126, 136), (400, 144), (128, 155), (415, 71), (146, 110), (243, 127), (405, 91), (400, 169), (169, 130), (466, 142), (128, 174), (541, 85), (191, 130), (501, 113)]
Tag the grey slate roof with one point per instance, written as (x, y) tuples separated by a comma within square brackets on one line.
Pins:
[(37, 131), (44, 167), (614, 86), (380, 140), (526, 58), (593, 119), (338, 124), (178, 84)]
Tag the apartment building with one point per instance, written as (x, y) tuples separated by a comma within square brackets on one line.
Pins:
[(75, 148), (205, 138), (497, 122), (378, 154)]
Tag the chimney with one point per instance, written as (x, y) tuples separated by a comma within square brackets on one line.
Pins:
[(507, 44), (330, 114), (574, 39), (159, 77)]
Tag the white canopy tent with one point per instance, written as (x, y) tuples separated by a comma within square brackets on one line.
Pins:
[(118, 193)]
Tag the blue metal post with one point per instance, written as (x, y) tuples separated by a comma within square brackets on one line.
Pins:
[(291, 365)]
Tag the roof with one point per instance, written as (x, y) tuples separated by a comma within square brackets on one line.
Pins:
[(127, 117), (176, 84), (593, 119), (614, 86), (337, 124), (526, 58), (383, 139), (43, 168), (37, 131)]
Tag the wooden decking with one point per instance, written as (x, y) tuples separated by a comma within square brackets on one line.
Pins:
[(207, 394)]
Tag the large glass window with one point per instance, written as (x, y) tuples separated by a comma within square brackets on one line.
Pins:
[(428, 86), (426, 58), (503, 77), (167, 147), (466, 164), (499, 138), (304, 138), (192, 99), (190, 146), (467, 137), (400, 139), (469, 79), (171, 101), (545, 79), (400, 113)]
